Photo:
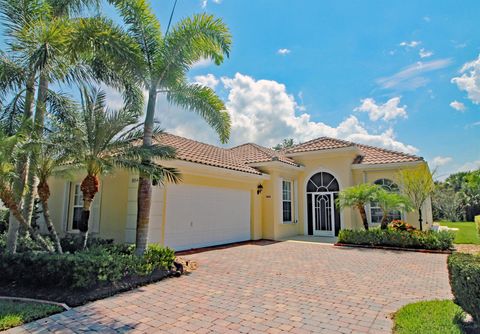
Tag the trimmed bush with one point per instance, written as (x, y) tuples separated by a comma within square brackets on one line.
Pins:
[(83, 269), (477, 221), (73, 243), (417, 239), (464, 272)]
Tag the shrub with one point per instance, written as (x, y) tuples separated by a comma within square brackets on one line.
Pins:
[(477, 221), (73, 243), (464, 272), (24, 244), (83, 269), (4, 216), (417, 239), (400, 225)]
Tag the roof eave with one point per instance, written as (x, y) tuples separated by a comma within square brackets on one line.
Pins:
[(325, 150), (390, 165), (275, 163)]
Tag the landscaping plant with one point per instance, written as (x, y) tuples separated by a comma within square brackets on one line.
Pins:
[(388, 201), (358, 197)]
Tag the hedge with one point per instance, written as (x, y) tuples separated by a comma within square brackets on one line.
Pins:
[(83, 269), (477, 221), (464, 273), (442, 240)]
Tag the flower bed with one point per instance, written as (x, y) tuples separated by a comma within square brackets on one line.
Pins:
[(399, 239)]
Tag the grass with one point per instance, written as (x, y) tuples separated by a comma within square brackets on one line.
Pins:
[(13, 313), (467, 233), (432, 317)]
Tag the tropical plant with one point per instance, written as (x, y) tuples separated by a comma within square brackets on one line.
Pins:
[(417, 183), (286, 143), (389, 201), (163, 63), (104, 139), (358, 197)]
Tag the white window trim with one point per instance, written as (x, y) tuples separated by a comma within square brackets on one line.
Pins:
[(292, 199), (71, 207)]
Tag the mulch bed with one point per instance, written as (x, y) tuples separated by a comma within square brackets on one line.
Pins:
[(434, 251), (76, 297)]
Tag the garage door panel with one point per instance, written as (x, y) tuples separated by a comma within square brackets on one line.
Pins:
[(205, 216)]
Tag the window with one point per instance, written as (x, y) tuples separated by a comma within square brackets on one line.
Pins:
[(287, 201), (77, 207), (376, 214)]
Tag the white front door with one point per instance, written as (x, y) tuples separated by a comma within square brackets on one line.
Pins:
[(323, 207)]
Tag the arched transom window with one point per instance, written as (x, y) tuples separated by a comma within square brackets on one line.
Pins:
[(375, 211), (322, 182)]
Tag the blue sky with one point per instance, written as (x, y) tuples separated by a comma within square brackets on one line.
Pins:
[(372, 71)]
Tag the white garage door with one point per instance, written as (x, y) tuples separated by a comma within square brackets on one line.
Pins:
[(206, 216)]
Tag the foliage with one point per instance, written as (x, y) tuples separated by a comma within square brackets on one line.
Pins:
[(25, 244), (447, 204), (390, 201), (417, 239), (73, 243), (357, 197), (15, 313), (83, 269), (432, 317), (464, 272), (4, 216), (286, 143), (466, 233), (400, 225), (477, 221)]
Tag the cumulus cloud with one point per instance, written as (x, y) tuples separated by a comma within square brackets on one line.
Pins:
[(469, 80), (387, 111), (457, 105), (262, 111), (469, 166), (283, 51), (410, 44), (204, 3), (208, 80), (410, 76), (441, 161), (425, 53), (202, 63)]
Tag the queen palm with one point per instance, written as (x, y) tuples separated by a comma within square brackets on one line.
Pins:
[(105, 139), (163, 63), (358, 197)]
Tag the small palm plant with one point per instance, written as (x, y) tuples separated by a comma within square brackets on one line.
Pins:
[(388, 201), (106, 139), (357, 197)]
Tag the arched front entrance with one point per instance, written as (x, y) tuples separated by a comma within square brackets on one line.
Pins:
[(322, 215)]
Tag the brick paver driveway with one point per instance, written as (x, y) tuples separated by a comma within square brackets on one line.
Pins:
[(282, 287)]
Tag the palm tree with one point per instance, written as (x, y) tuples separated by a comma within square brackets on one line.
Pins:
[(11, 147), (103, 140), (357, 197), (163, 63), (388, 201)]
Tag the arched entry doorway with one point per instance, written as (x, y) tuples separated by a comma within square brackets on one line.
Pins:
[(322, 215)]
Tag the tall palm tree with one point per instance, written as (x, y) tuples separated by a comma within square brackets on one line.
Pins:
[(388, 201), (357, 197), (106, 139), (163, 63)]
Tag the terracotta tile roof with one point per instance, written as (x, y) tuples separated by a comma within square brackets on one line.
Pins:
[(322, 143), (194, 151), (376, 155), (252, 153)]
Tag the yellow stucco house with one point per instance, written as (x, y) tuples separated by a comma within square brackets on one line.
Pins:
[(242, 193)]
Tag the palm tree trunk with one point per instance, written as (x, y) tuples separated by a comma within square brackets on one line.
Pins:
[(44, 194), (383, 223), (363, 214), (39, 123), (144, 196), (22, 166), (89, 188)]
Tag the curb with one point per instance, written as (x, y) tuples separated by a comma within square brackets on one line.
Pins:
[(431, 251), (40, 301)]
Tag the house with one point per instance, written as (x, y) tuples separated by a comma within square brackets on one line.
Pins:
[(240, 193)]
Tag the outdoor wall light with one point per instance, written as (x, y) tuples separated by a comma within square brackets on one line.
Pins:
[(259, 189)]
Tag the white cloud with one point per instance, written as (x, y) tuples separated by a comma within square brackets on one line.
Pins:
[(387, 111), (427, 18), (469, 166), (441, 161), (262, 111), (424, 53), (409, 77), (469, 80), (208, 80), (457, 105), (202, 63), (283, 51), (411, 44), (204, 3)]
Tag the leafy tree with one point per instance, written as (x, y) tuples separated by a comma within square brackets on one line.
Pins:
[(358, 197), (446, 203), (417, 183), (161, 69), (103, 140), (388, 201), (286, 143)]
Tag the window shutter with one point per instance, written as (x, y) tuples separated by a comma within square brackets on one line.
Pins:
[(95, 212)]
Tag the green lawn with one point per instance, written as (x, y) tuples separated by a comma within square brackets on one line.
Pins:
[(467, 233), (14, 313), (432, 317)]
